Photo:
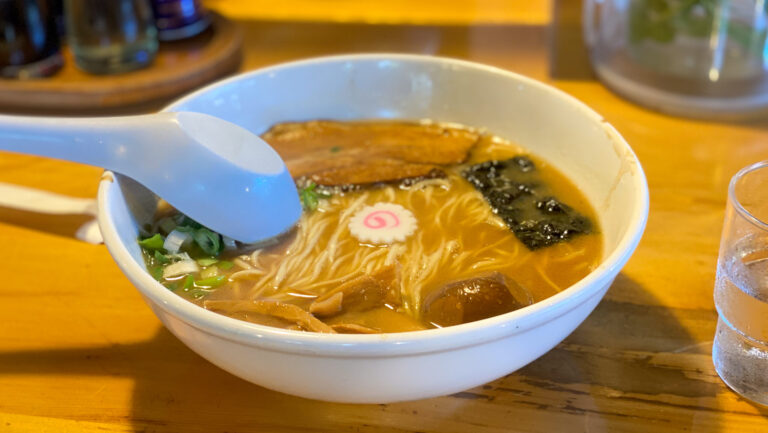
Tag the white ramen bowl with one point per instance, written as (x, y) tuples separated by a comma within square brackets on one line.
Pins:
[(414, 365)]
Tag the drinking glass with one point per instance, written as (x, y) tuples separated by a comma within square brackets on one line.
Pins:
[(111, 36), (740, 350)]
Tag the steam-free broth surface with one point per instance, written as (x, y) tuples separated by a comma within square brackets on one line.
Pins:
[(399, 253)]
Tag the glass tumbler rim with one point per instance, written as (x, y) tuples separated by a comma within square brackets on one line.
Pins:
[(734, 199)]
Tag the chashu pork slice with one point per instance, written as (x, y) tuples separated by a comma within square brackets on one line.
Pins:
[(359, 153)]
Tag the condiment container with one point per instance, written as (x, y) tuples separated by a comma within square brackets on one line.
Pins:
[(179, 19), (29, 39), (700, 58), (111, 36)]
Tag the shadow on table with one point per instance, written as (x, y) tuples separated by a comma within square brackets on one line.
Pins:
[(629, 366), (68, 225), (763, 410)]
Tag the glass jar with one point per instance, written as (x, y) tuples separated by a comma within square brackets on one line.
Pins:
[(111, 36), (702, 58)]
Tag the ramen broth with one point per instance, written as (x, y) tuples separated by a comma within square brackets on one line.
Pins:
[(457, 261)]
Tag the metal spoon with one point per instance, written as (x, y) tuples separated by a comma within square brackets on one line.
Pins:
[(214, 171)]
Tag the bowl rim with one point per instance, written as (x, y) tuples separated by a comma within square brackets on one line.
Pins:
[(395, 344)]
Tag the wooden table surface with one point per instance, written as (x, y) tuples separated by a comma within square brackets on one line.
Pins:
[(81, 352)]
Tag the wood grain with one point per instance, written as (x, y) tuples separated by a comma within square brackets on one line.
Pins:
[(177, 68), (80, 351)]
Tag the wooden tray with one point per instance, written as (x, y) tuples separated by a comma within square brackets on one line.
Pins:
[(178, 67)]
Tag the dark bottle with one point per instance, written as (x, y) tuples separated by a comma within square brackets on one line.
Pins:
[(29, 39), (179, 19), (57, 7)]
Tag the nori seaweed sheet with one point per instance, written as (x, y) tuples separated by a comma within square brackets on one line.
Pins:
[(517, 194)]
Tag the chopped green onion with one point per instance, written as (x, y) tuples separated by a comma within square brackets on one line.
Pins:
[(210, 271), (172, 287), (154, 243), (199, 293), (309, 201), (310, 198), (209, 241), (183, 220), (207, 261), (156, 272), (211, 282), (161, 258), (188, 282), (176, 240), (225, 265), (180, 268), (178, 257), (335, 149)]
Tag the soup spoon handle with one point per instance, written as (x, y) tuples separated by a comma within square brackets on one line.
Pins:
[(220, 174), (109, 142)]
